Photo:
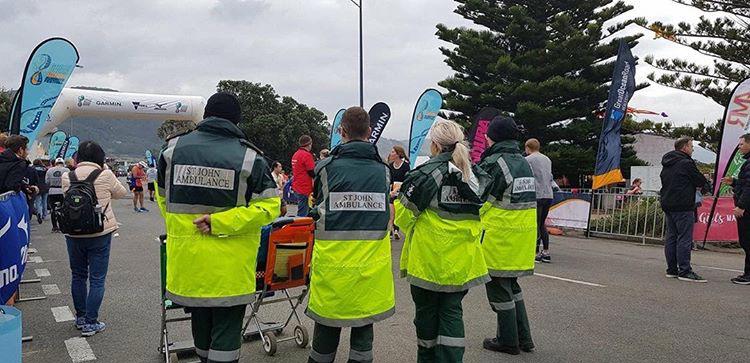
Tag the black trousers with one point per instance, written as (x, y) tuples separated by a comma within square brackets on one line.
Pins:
[(52, 201), (542, 210), (743, 231)]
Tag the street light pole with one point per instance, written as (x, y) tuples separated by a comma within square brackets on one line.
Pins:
[(361, 57)]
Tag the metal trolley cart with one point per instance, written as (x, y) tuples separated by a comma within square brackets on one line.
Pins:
[(169, 348), (287, 247)]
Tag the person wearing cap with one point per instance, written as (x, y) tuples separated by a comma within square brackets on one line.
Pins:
[(351, 281), (510, 232), (53, 177), (139, 177), (303, 166), (215, 191)]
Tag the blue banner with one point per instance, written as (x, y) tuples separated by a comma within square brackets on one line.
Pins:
[(623, 85), (73, 142), (47, 70), (14, 242), (335, 132), (425, 112), (56, 142)]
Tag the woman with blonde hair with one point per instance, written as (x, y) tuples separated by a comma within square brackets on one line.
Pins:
[(438, 210)]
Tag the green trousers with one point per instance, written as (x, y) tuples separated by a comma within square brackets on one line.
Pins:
[(506, 300), (440, 325), (217, 332), (326, 342)]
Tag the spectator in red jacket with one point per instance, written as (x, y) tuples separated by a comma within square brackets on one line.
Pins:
[(303, 166)]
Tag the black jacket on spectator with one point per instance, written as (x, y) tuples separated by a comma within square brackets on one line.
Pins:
[(680, 178), (13, 172), (741, 186)]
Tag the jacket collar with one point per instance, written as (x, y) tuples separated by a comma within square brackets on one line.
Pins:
[(88, 163), (746, 156), (505, 146), (220, 126), (441, 158), (357, 149)]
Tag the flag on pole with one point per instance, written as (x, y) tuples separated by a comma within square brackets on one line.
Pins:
[(73, 142), (56, 142), (607, 169), (335, 132), (379, 114), (425, 111), (47, 70)]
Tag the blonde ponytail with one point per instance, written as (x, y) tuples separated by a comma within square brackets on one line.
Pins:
[(448, 134)]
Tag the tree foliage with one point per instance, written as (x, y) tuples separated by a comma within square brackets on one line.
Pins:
[(274, 123), (5, 105), (725, 40), (547, 63)]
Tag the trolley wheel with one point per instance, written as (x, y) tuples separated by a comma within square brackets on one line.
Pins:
[(301, 337), (269, 344), (173, 358)]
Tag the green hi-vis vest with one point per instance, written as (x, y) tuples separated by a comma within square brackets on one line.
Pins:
[(351, 281), (439, 213), (214, 170), (509, 216)]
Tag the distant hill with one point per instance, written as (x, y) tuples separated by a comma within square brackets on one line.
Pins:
[(119, 138)]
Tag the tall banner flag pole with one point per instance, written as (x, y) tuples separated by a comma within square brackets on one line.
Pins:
[(56, 142), (607, 169), (72, 149), (380, 113), (425, 111), (736, 122), (478, 129), (335, 132), (150, 158), (63, 149), (48, 69)]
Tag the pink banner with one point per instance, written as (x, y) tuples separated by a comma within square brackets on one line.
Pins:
[(479, 143), (724, 225)]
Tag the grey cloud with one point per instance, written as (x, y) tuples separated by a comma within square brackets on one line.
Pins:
[(239, 10)]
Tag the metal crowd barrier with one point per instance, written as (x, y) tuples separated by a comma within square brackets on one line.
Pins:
[(629, 217)]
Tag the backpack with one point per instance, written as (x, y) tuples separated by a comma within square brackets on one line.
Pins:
[(80, 212)]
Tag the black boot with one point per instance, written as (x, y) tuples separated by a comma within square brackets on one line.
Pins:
[(493, 345)]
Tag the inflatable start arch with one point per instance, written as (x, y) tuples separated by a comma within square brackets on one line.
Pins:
[(74, 102)]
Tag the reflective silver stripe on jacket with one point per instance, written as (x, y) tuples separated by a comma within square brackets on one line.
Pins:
[(433, 286), (268, 193), (320, 226), (510, 273), (206, 302), (427, 343), (245, 172), (167, 155), (347, 323)]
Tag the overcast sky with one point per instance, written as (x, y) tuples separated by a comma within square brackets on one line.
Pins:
[(305, 49)]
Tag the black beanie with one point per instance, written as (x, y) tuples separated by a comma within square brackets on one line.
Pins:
[(502, 128), (224, 105)]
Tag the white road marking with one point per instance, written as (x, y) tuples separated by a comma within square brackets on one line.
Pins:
[(62, 313), (51, 289), (41, 272), (79, 350), (569, 280), (720, 268), (35, 259)]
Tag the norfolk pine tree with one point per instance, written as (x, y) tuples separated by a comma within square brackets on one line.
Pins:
[(725, 40), (547, 63)]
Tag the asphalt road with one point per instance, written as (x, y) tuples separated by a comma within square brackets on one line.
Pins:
[(616, 305)]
